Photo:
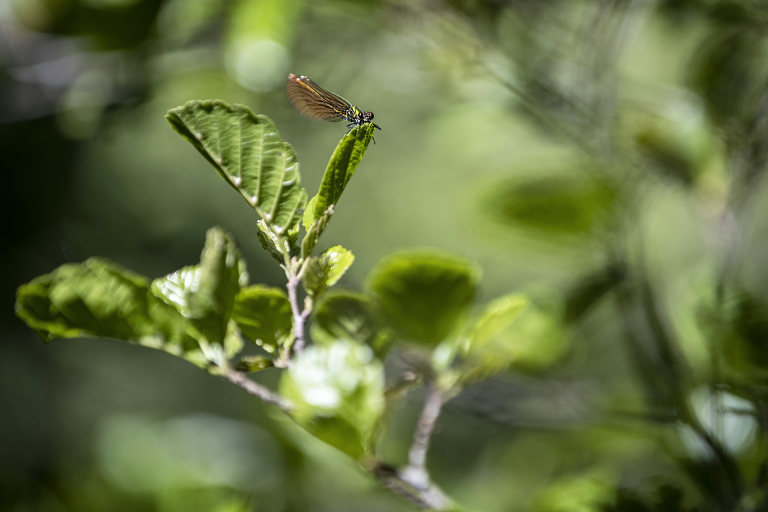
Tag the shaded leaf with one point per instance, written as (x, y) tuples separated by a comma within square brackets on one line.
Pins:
[(101, 299), (558, 204), (338, 394), (351, 316), (248, 153), (264, 316), (425, 293), (325, 270), (339, 171)]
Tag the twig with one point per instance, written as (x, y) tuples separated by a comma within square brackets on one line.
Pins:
[(428, 497), (257, 390), (417, 456), (298, 316), (415, 475)]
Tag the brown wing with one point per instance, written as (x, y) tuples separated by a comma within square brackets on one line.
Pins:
[(313, 101)]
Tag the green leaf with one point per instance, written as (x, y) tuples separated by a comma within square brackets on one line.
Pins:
[(99, 298), (338, 394), (495, 318), (250, 364), (264, 316), (173, 288), (213, 287), (554, 203), (339, 171), (533, 340), (269, 241), (326, 270), (425, 293), (249, 154), (343, 315), (313, 233)]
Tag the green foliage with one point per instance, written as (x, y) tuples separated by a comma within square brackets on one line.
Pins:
[(339, 171), (560, 204), (495, 318), (577, 494), (249, 154), (314, 230), (425, 294), (264, 316), (186, 313), (487, 350), (352, 316), (325, 270), (269, 241), (212, 291), (99, 298), (337, 391)]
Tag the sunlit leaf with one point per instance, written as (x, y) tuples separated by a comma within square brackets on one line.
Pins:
[(495, 318), (269, 241), (173, 288), (338, 394), (344, 315), (314, 231), (339, 171), (425, 293), (99, 298), (531, 338), (264, 316), (214, 285), (583, 493), (325, 270), (248, 153)]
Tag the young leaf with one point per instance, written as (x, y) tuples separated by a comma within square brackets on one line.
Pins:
[(314, 231), (269, 241), (339, 171), (326, 270), (351, 316), (249, 154), (99, 298), (425, 293), (338, 394), (533, 338), (172, 289), (214, 285), (264, 316), (495, 318)]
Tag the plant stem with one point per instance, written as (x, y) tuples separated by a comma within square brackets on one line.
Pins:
[(422, 491), (428, 497), (417, 456), (298, 315), (257, 390)]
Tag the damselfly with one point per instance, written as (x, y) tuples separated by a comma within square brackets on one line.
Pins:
[(314, 101)]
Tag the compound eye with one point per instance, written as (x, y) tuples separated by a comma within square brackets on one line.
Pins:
[(370, 115)]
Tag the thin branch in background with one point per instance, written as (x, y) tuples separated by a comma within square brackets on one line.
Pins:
[(257, 390)]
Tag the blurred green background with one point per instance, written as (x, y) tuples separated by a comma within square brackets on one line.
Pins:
[(604, 156)]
